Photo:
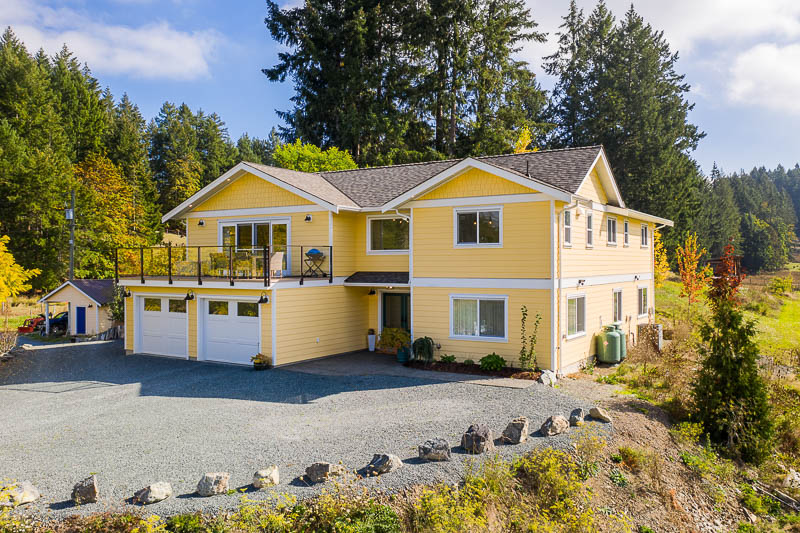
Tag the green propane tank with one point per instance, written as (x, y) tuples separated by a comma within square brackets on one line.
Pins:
[(602, 346), (611, 353), (623, 342)]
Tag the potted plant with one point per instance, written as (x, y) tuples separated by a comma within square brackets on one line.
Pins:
[(396, 341), (371, 339), (261, 361)]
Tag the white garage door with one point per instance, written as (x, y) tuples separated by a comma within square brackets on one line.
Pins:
[(231, 331), (163, 326)]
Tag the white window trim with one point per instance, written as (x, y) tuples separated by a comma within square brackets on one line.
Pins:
[(614, 293), (458, 210), (577, 334), (267, 220), (609, 242), (567, 243), (370, 251), (589, 230), (626, 233), (639, 301), (479, 297), (645, 227)]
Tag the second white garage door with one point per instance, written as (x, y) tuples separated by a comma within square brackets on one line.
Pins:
[(230, 330)]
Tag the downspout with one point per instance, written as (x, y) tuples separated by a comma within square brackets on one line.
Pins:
[(401, 215)]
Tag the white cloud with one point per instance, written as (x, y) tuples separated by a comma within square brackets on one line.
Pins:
[(151, 51), (767, 75)]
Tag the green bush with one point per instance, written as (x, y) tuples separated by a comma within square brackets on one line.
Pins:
[(186, 523), (633, 458), (617, 477), (448, 359), (423, 348), (492, 362), (759, 504), (469, 362), (780, 286)]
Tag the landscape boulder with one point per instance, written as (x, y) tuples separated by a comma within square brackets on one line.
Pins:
[(792, 479), (478, 439), (154, 493), (19, 494), (213, 483), (86, 491), (383, 463), (598, 413), (266, 477), (322, 471), (435, 450), (576, 418), (554, 425), (548, 377), (516, 431)]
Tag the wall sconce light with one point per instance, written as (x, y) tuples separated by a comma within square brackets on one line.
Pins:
[(371, 292), (581, 282), (201, 222), (264, 298), (189, 296), (90, 305), (126, 293), (636, 278), (308, 218)]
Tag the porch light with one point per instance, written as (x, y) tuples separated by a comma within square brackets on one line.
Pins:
[(371, 292), (126, 293), (581, 282), (189, 296), (636, 277), (308, 218), (264, 298)]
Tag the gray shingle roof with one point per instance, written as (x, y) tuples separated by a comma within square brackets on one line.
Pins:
[(379, 278), (372, 187), (99, 290)]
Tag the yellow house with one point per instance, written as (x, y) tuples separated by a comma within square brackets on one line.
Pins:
[(300, 265)]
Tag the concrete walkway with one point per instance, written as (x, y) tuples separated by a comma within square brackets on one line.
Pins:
[(378, 364)]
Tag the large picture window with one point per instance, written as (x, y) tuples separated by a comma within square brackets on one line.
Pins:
[(576, 315), (387, 234), (478, 227), (478, 317)]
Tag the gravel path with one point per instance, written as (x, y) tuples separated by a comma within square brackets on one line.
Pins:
[(68, 411)]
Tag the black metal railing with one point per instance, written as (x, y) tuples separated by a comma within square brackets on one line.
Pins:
[(231, 263)]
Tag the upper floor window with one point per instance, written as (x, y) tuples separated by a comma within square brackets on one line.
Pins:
[(645, 235), (387, 234), (567, 228), (625, 234), (611, 228), (478, 227), (589, 229)]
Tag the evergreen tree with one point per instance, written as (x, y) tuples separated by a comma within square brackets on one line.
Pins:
[(216, 152), (719, 220)]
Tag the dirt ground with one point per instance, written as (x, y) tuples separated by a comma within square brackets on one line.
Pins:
[(681, 501)]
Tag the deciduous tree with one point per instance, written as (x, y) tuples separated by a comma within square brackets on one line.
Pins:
[(694, 278)]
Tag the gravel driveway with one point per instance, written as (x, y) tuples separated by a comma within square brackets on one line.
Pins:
[(71, 410)]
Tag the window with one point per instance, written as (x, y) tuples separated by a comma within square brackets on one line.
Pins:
[(589, 230), (611, 228), (152, 304), (617, 305), (217, 308), (246, 309), (645, 235), (478, 227), (625, 235), (177, 306), (387, 234), (254, 235), (567, 228), (642, 301), (478, 317), (576, 315)]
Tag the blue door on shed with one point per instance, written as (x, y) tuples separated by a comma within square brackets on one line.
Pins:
[(80, 324)]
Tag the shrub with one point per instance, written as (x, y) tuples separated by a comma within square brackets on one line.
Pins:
[(527, 351), (617, 477), (393, 339), (633, 458), (760, 505), (186, 523), (469, 362), (448, 359), (423, 348), (588, 443), (780, 286), (492, 362), (549, 475)]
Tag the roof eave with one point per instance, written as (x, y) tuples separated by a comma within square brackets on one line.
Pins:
[(68, 282)]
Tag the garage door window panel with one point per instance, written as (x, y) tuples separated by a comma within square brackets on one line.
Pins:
[(152, 305), (247, 309), (177, 306), (216, 307)]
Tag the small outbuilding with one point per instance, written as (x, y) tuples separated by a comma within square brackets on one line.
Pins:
[(89, 300)]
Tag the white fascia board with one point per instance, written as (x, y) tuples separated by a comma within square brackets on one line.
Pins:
[(381, 285), (48, 295), (631, 213), (212, 187), (606, 173), (464, 165)]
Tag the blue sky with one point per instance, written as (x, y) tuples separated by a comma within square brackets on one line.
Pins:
[(742, 61)]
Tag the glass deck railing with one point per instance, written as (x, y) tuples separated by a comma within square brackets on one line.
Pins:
[(225, 263)]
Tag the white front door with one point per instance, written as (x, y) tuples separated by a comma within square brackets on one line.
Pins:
[(162, 326), (230, 330)]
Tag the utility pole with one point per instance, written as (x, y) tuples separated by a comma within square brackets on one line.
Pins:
[(71, 218)]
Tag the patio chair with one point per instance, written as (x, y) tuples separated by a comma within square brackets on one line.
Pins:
[(276, 264), (314, 259)]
